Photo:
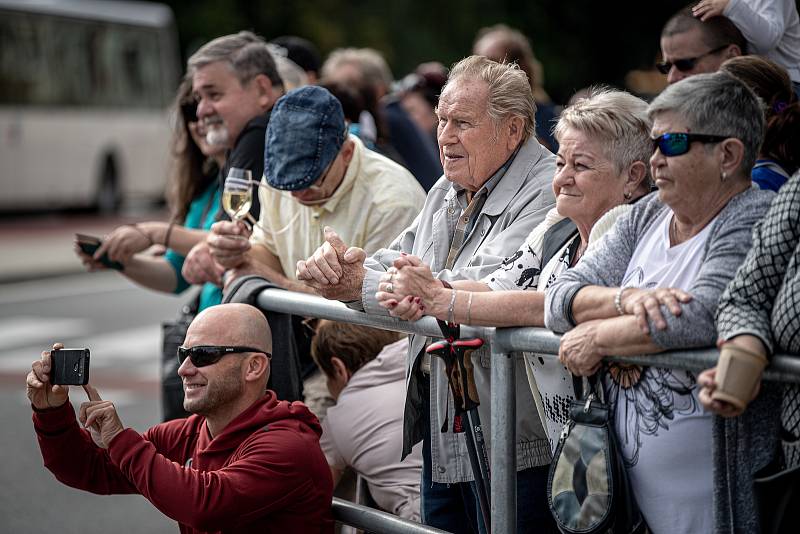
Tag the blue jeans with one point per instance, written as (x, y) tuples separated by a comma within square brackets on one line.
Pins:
[(455, 508)]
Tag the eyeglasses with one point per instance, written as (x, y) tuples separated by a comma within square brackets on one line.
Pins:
[(203, 355), (687, 64), (675, 144), (189, 111), (317, 186)]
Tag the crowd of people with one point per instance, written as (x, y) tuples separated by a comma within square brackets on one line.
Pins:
[(465, 194)]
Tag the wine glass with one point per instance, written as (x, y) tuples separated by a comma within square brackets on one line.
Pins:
[(237, 195)]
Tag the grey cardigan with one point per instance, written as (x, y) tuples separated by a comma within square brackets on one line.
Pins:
[(726, 247)]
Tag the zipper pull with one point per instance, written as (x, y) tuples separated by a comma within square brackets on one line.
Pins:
[(565, 431)]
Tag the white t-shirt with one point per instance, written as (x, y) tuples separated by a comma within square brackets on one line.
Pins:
[(663, 431)]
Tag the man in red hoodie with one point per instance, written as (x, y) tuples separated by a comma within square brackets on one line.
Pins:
[(244, 462)]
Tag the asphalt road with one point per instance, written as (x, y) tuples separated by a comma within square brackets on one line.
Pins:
[(119, 322)]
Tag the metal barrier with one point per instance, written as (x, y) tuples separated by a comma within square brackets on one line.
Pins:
[(504, 343)]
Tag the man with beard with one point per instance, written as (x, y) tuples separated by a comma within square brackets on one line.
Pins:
[(235, 82), (243, 462)]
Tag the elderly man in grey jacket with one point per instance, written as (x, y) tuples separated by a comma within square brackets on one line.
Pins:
[(496, 187)]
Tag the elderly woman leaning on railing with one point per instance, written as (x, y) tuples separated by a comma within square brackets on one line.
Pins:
[(653, 283), (601, 167)]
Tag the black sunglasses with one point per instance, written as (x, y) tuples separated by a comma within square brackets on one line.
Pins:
[(687, 64), (675, 144), (203, 355), (189, 111)]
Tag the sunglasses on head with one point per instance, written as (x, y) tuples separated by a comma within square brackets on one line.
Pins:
[(203, 355), (675, 144), (687, 64), (189, 111)]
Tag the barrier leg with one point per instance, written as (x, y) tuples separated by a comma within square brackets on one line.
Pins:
[(503, 453)]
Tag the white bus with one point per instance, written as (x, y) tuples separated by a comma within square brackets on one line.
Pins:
[(85, 88)]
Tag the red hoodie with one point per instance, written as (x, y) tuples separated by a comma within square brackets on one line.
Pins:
[(264, 473)]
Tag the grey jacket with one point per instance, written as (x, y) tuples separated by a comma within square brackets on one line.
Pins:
[(517, 204), (726, 247)]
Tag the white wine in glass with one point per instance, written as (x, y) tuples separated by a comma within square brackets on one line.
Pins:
[(237, 195)]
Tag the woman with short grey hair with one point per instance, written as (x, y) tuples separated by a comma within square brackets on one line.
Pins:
[(601, 167), (652, 284)]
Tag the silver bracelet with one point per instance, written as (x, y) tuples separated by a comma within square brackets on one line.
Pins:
[(451, 311), (469, 308), (618, 301)]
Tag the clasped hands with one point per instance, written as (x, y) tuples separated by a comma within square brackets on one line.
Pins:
[(408, 290), (98, 416)]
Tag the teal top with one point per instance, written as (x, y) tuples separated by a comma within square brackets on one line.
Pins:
[(199, 218)]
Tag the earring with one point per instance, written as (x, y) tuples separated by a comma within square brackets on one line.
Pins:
[(724, 176), (627, 195)]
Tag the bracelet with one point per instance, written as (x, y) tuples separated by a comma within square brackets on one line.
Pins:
[(146, 236), (168, 234), (469, 307), (451, 311), (618, 301)]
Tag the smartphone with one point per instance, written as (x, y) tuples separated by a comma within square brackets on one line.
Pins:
[(89, 245), (69, 367)]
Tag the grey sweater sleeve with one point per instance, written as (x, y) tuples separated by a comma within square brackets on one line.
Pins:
[(603, 265), (746, 306), (725, 249)]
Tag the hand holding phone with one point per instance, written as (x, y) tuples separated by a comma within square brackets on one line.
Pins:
[(89, 245), (41, 391)]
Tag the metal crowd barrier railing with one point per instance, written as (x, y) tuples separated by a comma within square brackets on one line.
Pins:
[(504, 343)]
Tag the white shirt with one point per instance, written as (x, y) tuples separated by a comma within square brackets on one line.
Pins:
[(772, 29), (663, 432), (375, 201)]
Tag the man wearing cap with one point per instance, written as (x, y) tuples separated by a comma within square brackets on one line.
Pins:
[(316, 175), (243, 462)]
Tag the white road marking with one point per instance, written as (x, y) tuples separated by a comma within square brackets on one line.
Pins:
[(135, 352), (25, 330), (64, 286)]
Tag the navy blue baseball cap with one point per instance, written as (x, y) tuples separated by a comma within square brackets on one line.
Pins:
[(306, 130)]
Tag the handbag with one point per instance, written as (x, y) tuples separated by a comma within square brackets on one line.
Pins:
[(172, 336), (587, 488)]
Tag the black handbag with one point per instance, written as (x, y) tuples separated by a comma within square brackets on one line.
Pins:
[(172, 337), (587, 488)]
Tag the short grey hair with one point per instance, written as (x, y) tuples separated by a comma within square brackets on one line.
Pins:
[(370, 63), (509, 89), (618, 120), (245, 53), (716, 104)]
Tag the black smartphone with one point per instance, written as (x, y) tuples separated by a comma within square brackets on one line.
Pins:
[(89, 245), (69, 367)]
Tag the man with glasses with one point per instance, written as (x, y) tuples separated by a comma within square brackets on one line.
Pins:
[(243, 462), (690, 46)]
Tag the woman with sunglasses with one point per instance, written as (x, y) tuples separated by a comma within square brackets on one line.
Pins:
[(653, 284), (194, 200), (601, 169)]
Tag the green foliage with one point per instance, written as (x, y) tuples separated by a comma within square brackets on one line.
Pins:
[(579, 42)]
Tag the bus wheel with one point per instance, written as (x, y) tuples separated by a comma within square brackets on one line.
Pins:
[(109, 196)]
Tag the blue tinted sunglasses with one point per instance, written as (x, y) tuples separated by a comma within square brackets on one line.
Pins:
[(675, 144), (203, 355)]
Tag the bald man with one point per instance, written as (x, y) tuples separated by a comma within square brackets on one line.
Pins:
[(243, 461)]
